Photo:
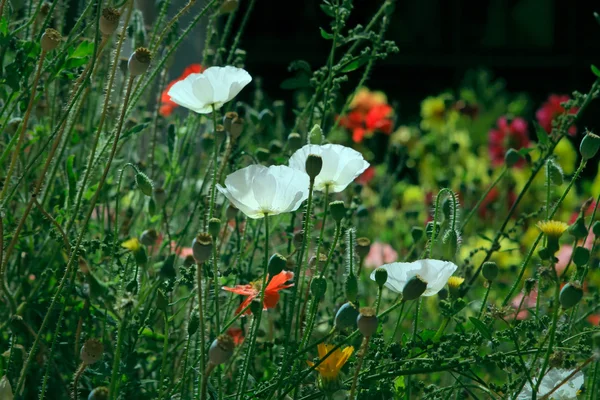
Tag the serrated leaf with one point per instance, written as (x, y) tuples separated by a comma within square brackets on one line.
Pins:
[(355, 64), (325, 34), (595, 70), (541, 133), (481, 327)]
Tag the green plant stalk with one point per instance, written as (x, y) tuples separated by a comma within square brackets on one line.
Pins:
[(257, 317), (115, 377), (441, 329), (484, 302), (165, 355), (238, 35), (483, 197), (78, 374), (359, 363), (330, 72), (398, 321), (201, 327), (221, 50), (415, 329), (185, 363), (213, 185), (215, 264), (51, 354)]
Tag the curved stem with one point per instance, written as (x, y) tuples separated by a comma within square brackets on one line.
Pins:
[(359, 363), (76, 378)]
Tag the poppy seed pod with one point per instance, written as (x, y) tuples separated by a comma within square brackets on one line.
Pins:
[(511, 158), (381, 276), (589, 146), (578, 229), (581, 256), (214, 226), (414, 288), (149, 237), (99, 393), (294, 141), (202, 247), (91, 351), (237, 127), (109, 21), (160, 197), (277, 263), (139, 61), (363, 246), (490, 270), (346, 316), (314, 164), (367, 321), (50, 39), (318, 287), (570, 295), (221, 349), (144, 183), (208, 142), (227, 119), (298, 238), (338, 210)]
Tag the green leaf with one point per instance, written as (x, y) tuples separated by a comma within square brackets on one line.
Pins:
[(327, 9), (524, 151), (595, 70), (85, 49), (325, 34), (71, 180), (399, 387), (355, 64), (541, 133), (481, 327), (136, 129)]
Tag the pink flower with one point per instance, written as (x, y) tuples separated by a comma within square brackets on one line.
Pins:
[(379, 254), (508, 135), (182, 252), (529, 301), (552, 109)]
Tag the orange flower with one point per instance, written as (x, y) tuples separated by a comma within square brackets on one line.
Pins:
[(166, 104), (370, 112), (252, 291), (237, 335)]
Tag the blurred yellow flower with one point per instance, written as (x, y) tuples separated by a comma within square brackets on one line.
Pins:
[(566, 156), (413, 195), (435, 116), (330, 368), (132, 244)]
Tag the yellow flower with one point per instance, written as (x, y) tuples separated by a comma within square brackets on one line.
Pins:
[(454, 282), (330, 368), (435, 116), (566, 156), (132, 244), (553, 229)]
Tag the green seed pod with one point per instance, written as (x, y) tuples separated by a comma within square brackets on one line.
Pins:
[(416, 233), (351, 286), (99, 393), (511, 158), (277, 263), (363, 246), (596, 228), (315, 136), (346, 316), (221, 349), (144, 183), (450, 244), (275, 147), (91, 351), (214, 227), (162, 303), (202, 247), (581, 256), (149, 237), (338, 210), (318, 287), (208, 142), (193, 324), (262, 154), (237, 127), (578, 229), (414, 288), (314, 164), (294, 141), (570, 295), (255, 307), (589, 146), (555, 173), (490, 270), (367, 321), (381, 276)]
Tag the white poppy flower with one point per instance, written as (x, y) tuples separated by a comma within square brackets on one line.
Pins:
[(341, 165), (552, 378), (434, 272), (213, 87), (258, 191)]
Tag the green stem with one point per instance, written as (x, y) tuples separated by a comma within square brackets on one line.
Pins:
[(441, 329), (485, 297), (201, 318), (165, 356), (483, 197), (213, 185), (115, 377), (361, 358)]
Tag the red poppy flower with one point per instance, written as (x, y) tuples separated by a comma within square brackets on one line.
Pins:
[(552, 109), (237, 335), (370, 113), (507, 135), (366, 176), (166, 104), (486, 209), (252, 291)]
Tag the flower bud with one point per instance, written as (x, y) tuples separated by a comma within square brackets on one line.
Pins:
[(275, 147), (454, 283), (227, 119), (277, 263), (338, 210), (193, 324), (50, 39), (160, 197), (144, 183), (555, 173), (214, 226), (149, 237), (351, 286), (162, 303), (13, 124), (381, 276), (363, 246), (367, 322), (414, 288), (315, 136), (314, 164), (167, 267), (581, 256), (140, 256), (447, 209), (99, 393), (570, 295), (529, 285), (202, 247), (262, 154), (416, 233), (318, 287), (91, 351), (237, 127), (255, 307), (578, 229), (596, 228), (511, 158), (139, 61), (490, 270), (294, 141), (450, 244), (346, 316), (109, 20), (589, 146), (221, 349)]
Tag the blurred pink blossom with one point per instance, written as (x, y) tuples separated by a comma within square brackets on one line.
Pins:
[(379, 254), (529, 301), (565, 252)]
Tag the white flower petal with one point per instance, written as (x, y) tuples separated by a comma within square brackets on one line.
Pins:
[(568, 391)]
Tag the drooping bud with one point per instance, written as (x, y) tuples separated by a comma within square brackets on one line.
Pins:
[(202, 247), (99, 393), (144, 183), (381, 276), (214, 227), (346, 316), (578, 229), (149, 237), (351, 286), (555, 173), (109, 21), (318, 287), (416, 233), (589, 146), (139, 61), (414, 288), (50, 39), (338, 210), (367, 321), (581, 256), (221, 349), (570, 295), (314, 164), (277, 263), (429, 229), (490, 270), (91, 351), (294, 141), (315, 136), (511, 158)]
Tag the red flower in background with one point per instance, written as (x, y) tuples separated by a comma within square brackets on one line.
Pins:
[(369, 113), (552, 109), (486, 208), (166, 104), (366, 176), (237, 335), (508, 135), (252, 291)]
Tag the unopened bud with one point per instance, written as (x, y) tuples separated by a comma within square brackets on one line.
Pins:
[(490, 270), (570, 295), (144, 183), (294, 141), (214, 227), (139, 62), (381, 276), (275, 147), (346, 316), (221, 349), (262, 154), (450, 244), (149, 237), (318, 287), (99, 393), (91, 351), (338, 210), (109, 21), (277, 263), (414, 288), (367, 321), (193, 324), (590, 144), (237, 127), (298, 238), (581, 256), (511, 158), (555, 173), (208, 142), (416, 233), (314, 164), (202, 247), (578, 229), (315, 136), (50, 39)]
